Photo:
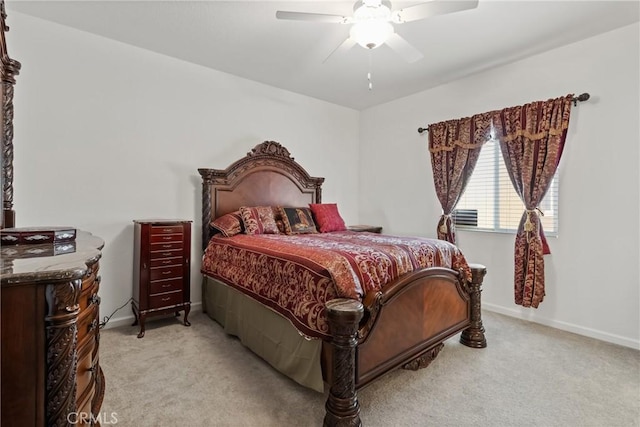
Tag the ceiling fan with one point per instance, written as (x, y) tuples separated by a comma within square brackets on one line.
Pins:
[(372, 23)]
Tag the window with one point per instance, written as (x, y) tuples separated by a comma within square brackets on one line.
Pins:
[(491, 199)]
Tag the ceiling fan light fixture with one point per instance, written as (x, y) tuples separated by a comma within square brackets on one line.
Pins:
[(371, 34)]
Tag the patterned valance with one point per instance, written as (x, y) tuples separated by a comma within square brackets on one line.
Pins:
[(458, 133)]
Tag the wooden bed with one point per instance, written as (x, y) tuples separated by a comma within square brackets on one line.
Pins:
[(429, 305)]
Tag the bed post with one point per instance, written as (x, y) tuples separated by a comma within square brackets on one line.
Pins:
[(207, 180), (473, 336), (343, 409)]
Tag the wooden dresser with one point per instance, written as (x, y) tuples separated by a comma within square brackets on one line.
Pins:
[(161, 269), (51, 374)]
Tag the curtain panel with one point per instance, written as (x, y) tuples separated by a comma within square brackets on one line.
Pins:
[(455, 146), (532, 139)]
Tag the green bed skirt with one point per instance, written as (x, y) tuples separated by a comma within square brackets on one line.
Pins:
[(265, 332)]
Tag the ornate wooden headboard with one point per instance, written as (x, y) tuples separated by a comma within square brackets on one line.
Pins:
[(266, 176), (9, 68)]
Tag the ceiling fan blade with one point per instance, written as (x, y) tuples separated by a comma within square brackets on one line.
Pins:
[(403, 48), (432, 8), (343, 47), (316, 17)]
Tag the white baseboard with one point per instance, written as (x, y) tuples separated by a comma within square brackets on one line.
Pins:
[(564, 326), (128, 320)]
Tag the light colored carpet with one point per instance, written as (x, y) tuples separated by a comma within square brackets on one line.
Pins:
[(529, 375)]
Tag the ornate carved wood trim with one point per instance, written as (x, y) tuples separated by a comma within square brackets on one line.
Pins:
[(424, 359), (268, 155), (9, 68), (342, 405), (62, 337), (474, 336)]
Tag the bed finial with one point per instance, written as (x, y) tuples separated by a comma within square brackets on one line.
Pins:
[(270, 148)]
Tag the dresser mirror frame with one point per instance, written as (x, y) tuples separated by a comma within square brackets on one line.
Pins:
[(9, 69)]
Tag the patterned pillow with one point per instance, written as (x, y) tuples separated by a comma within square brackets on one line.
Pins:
[(327, 217), (229, 224), (297, 220), (258, 220)]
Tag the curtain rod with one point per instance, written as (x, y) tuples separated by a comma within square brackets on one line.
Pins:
[(580, 98)]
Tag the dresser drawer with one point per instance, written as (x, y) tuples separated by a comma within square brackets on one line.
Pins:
[(165, 300), (161, 238), (164, 286), (166, 229), (168, 246), (165, 254), (166, 273), (85, 382), (165, 262), (88, 323), (89, 296)]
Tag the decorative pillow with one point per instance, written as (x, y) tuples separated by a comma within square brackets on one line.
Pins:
[(258, 220), (297, 220), (229, 224), (327, 217)]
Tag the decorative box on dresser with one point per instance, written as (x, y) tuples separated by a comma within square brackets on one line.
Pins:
[(51, 374), (161, 269)]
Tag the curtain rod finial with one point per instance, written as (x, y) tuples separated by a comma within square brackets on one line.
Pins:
[(583, 97), (420, 130)]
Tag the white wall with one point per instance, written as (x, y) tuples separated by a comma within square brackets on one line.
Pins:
[(592, 276), (106, 133)]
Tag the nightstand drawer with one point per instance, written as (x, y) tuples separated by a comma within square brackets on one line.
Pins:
[(164, 286), (166, 272), (164, 300), (166, 246), (166, 262), (166, 229), (162, 238), (165, 254)]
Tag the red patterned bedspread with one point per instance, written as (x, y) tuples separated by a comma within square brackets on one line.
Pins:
[(296, 275)]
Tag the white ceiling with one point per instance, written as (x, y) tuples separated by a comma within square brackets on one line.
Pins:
[(245, 39)]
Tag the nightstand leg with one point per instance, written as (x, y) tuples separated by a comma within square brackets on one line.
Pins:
[(142, 317), (187, 308), (135, 313)]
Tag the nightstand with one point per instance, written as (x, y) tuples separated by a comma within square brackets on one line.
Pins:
[(161, 269), (369, 228)]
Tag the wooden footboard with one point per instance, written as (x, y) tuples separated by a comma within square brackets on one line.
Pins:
[(407, 322), (409, 318)]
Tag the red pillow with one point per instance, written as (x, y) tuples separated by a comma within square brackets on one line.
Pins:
[(327, 217)]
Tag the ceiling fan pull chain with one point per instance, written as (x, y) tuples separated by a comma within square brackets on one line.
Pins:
[(370, 67)]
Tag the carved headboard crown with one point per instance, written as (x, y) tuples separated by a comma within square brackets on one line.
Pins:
[(9, 68), (267, 176)]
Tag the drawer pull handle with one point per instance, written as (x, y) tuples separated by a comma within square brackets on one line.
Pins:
[(166, 246), (168, 261), (166, 253), (166, 285), (166, 238), (166, 299), (166, 272), (95, 299), (167, 230)]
